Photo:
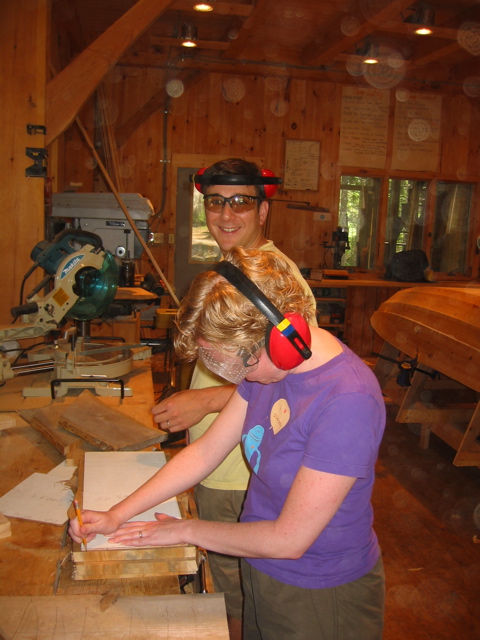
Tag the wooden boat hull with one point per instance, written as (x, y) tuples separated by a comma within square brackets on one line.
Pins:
[(440, 326)]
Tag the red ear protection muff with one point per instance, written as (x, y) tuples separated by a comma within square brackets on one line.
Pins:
[(267, 180), (286, 351), (200, 172), (270, 189), (288, 338)]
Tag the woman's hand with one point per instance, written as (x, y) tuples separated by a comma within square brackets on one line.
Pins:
[(93, 522), (164, 531)]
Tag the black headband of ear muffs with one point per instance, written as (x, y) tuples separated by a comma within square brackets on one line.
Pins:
[(235, 179), (250, 290)]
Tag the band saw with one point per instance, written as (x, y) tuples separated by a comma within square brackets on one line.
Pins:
[(83, 279)]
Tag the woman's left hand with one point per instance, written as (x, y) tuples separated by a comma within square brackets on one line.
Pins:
[(164, 531)]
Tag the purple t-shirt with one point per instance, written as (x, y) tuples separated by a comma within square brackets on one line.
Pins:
[(330, 419)]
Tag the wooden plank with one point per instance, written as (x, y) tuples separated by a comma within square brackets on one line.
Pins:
[(118, 563), (200, 616), (47, 422), (5, 527), (135, 569), (423, 413), (468, 451), (68, 91), (105, 427)]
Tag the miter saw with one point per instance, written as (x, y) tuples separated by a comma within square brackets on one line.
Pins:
[(85, 280)]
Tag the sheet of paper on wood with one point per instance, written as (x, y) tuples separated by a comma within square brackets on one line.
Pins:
[(43, 497), (110, 476)]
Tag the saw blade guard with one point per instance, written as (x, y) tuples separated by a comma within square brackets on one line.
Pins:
[(96, 289)]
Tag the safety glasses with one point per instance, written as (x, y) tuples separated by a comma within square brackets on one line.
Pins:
[(239, 203), (232, 367)]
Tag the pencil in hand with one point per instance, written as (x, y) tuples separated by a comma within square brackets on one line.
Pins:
[(80, 522)]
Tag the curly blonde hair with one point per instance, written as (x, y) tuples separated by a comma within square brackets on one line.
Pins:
[(215, 311)]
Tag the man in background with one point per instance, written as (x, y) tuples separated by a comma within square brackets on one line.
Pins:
[(236, 205)]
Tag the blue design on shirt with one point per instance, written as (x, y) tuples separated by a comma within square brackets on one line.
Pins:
[(251, 444)]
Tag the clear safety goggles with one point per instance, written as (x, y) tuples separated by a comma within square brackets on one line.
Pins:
[(230, 366), (239, 203)]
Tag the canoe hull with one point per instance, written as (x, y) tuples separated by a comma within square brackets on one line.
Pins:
[(440, 326)]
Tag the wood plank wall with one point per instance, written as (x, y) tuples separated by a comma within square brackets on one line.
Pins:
[(266, 112), (216, 115), (23, 47)]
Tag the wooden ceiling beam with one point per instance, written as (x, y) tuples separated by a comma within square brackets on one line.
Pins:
[(436, 54), (335, 73), (68, 91), (324, 48), (407, 28)]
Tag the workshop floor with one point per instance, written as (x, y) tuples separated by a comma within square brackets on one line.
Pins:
[(427, 518)]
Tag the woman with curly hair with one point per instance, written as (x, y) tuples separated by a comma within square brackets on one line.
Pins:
[(310, 416)]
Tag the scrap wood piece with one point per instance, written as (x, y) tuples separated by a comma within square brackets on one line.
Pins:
[(46, 421), (107, 428), (7, 422), (134, 563), (5, 527)]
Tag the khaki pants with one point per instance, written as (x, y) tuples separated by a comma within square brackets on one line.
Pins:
[(223, 506), (278, 611)]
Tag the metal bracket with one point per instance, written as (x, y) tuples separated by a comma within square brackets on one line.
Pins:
[(87, 381), (32, 129), (39, 168)]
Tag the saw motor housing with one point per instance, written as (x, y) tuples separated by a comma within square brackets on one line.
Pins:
[(85, 280)]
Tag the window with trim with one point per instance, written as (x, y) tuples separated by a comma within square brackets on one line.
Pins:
[(358, 213), (453, 201), (434, 216), (405, 225)]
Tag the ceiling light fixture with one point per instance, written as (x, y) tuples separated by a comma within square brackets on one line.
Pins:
[(188, 35), (203, 7), (424, 17), (368, 52)]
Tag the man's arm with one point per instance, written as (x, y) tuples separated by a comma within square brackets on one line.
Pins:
[(185, 409)]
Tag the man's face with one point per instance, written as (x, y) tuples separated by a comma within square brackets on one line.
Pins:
[(230, 229)]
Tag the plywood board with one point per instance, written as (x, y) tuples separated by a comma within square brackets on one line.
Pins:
[(80, 617), (107, 428)]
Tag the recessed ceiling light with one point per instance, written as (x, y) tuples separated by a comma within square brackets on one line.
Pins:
[(189, 35), (423, 31), (203, 6)]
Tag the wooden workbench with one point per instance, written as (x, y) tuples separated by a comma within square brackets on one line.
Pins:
[(38, 594), (36, 557)]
